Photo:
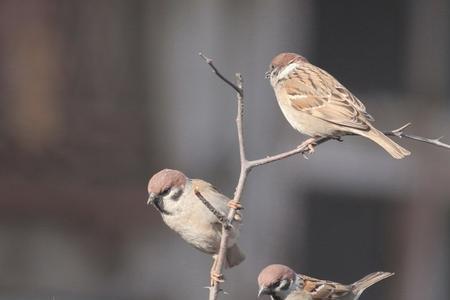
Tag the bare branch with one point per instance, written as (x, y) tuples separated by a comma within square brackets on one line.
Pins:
[(399, 133), (302, 149), (211, 64), (218, 266), (248, 165)]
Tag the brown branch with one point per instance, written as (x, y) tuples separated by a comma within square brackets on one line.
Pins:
[(248, 165)]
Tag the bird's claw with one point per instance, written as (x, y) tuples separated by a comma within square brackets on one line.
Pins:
[(217, 278), (308, 147), (235, 205)]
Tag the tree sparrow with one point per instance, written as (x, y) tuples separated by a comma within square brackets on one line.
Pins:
[(282, 283), (316, 104), (173, 195)]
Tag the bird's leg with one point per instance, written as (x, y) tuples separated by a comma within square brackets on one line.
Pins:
[(215, 277), (308, 146), (220, 217), (237, 207)]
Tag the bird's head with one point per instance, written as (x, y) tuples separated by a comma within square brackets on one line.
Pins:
[(282, 64), (165, 189), (277, 281)]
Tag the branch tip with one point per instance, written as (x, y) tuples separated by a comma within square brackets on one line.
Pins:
[(400, 130), (208, 60)]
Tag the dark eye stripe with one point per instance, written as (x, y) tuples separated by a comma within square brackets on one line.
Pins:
[(285, 285), (165, 192)]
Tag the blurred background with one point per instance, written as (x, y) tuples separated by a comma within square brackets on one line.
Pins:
[(96, 96)]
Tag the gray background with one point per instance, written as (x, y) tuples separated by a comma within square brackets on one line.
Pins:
[(95, 96)]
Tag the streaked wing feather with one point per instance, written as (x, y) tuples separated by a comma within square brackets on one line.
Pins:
[(354, 100), (323, 289), (329, 101)]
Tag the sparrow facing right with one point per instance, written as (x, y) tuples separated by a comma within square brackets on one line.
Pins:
[(282, 283), (318, 105)]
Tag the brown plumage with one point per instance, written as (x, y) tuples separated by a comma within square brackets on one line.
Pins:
[(316, 104)]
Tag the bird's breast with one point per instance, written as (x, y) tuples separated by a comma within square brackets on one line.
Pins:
[(306, 123)]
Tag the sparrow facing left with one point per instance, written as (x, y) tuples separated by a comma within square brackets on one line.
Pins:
[(318, 105), (173, 195), (282, 283)]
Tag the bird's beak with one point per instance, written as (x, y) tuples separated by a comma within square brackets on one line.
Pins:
[(264, 291), (152, 197), (267, 74)]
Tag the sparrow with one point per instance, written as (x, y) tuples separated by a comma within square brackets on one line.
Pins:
[(173, 194), (318, 105), (281, 282)]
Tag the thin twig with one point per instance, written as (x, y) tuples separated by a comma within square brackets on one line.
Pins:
[(248, 165), (399, 133), (210, 63)]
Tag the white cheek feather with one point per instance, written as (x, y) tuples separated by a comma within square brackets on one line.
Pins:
[(174, 192), (287, 70)]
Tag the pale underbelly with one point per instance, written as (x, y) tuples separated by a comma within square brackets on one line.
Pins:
[(201, 235), (307, 124)]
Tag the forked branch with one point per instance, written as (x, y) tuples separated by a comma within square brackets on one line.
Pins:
[(248, 165)]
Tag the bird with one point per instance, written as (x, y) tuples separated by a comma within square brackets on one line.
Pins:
[(317, 105), (282, 283), (173, 194)]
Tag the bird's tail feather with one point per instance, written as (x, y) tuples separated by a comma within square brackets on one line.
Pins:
[(395, 150), (234, 256), (362, 284)]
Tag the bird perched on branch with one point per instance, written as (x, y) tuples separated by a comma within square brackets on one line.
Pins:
[(282, 283), (174, 196), (316, 104)]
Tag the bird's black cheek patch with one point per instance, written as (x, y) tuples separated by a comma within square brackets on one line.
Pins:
[(160, 207)]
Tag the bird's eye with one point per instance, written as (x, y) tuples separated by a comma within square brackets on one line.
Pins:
[(284, 285), (275, 284), (165, 192), (281, 285)]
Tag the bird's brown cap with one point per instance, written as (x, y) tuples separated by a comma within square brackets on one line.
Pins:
[(274, 273), (166, 179), (283, 59)]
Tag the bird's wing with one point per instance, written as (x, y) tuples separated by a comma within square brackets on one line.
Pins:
[(314, 91), (324, 289), (214, 197)]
